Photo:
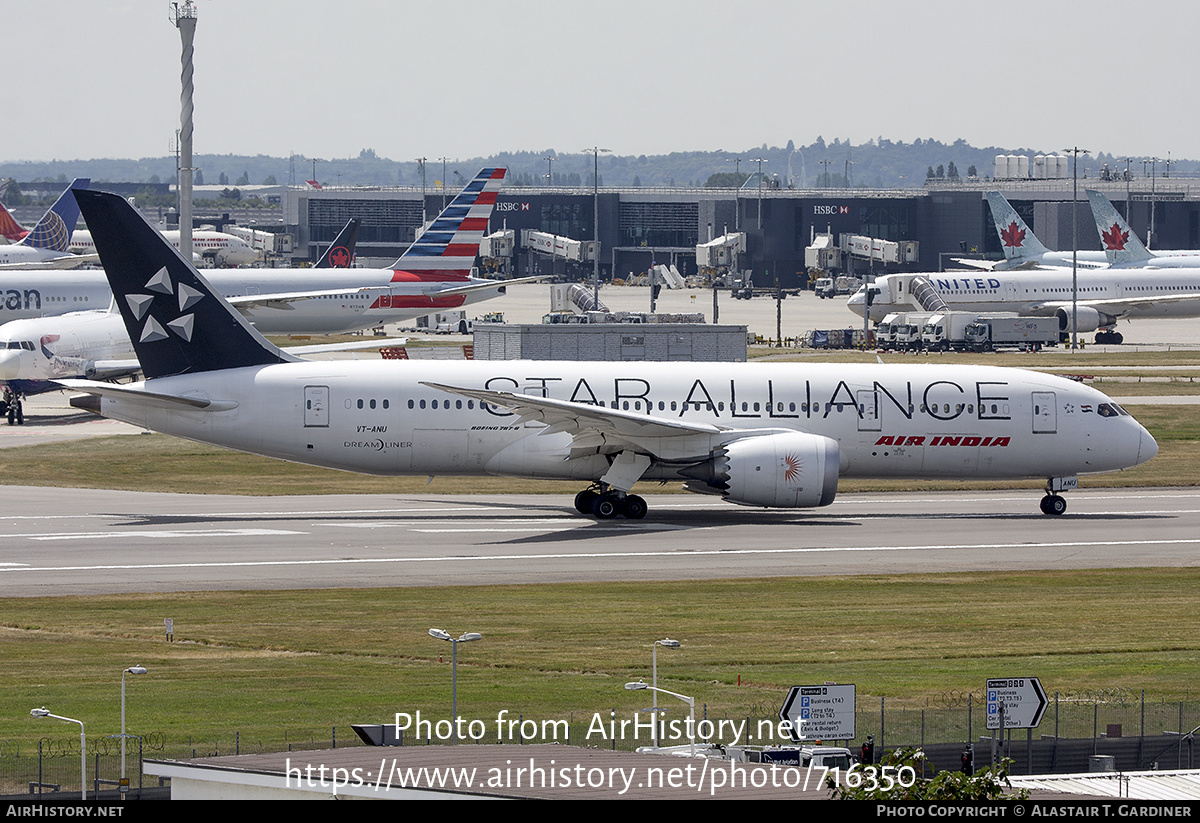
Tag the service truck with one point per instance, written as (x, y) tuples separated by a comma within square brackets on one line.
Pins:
[(971, 331)]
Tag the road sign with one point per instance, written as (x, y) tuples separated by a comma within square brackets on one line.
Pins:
[(1020, 699), (820, 712)]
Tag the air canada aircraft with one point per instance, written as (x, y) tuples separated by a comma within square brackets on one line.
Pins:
[(1122, 247), (772, 435), (1022, 249)]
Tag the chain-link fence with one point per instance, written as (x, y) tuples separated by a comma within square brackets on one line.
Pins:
[(1139, 734)]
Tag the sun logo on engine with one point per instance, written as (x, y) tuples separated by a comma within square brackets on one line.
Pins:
[(791, 470)]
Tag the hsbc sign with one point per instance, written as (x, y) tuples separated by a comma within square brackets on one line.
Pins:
[(512, 207), (825, 211)]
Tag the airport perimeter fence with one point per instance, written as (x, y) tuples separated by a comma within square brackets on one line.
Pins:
[(1138, 734)]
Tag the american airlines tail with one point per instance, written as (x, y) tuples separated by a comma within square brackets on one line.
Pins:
[(1121, 245), (1016, 238), (447, 250), (53, 231), (340, 253), (9, 227)]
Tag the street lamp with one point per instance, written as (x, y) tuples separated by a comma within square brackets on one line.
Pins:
[(760, 161), (666, 643), (1076, 151), (44, 712), (441, 634), (130, 670), (596, 152), (691, 701)]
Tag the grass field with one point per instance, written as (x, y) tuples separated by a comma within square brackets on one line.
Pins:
[(266, 663)]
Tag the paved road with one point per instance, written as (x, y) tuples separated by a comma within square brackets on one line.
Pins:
[(55, 541)]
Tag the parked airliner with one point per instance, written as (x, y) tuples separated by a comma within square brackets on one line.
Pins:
[(1105, 295), (771, 435), (216, 247), (1022, 249), (46, 245), (1122, 247)]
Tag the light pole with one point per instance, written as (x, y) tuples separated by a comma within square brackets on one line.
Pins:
[(666, 643), (549, 170), (467, 637), (596, 152), (1076, 151), (421, 163), (130, 670), (760, 161), (691, 701), (44, 712), (737, 175), (444, 160)]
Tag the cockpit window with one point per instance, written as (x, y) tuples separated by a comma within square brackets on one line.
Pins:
[(1110, 410)]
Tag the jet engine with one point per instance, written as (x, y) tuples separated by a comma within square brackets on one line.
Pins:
[(1089, 319), (786, 470)]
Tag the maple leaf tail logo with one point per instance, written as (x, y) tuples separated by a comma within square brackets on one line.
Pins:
[(1114, 239), (1013, 236), (791, 471)]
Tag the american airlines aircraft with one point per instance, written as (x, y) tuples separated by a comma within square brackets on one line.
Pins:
[(46, 244), (772, 435), (37, 350)]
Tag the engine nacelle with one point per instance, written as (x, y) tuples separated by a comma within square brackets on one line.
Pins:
[(1089, 319), (789, 470)]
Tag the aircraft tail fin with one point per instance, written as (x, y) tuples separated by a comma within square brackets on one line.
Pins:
[(1016, 238), (340, 253), (53, 231), (1121, 245), (448, 248), (177, 322), (9, 227)]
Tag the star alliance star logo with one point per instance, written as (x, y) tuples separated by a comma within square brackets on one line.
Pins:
[(153, 330)]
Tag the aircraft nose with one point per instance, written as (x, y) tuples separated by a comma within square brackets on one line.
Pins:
[(1147, 446), (10, 364)]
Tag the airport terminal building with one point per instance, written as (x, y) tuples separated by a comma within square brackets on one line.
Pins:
[(642, 226)]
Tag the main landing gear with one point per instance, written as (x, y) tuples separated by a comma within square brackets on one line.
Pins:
[(606, 503), (1112, 337)]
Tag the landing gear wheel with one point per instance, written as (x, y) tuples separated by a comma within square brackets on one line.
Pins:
[(12, 415), (1053, 504), (606, 506), (633, 507), (20, 414), (584, 500)]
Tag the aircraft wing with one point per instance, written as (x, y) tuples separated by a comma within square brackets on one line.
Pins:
[(281, 300), (1121, 305), (481, 286), (601, 430), (975, 263), (118, 392), (68, 261), (365, 343)]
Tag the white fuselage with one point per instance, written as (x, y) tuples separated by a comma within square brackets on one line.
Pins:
[(44, 293), (69, 345), (889, 420), (224, 249), (1125, 293)]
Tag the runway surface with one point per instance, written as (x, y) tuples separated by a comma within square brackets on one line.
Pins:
[(68, 541)]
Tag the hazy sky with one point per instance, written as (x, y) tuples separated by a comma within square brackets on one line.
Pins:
[(100, 78)]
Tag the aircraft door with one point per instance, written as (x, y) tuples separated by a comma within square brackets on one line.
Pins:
[(316, 406), (868, 410), (1045, 419)]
